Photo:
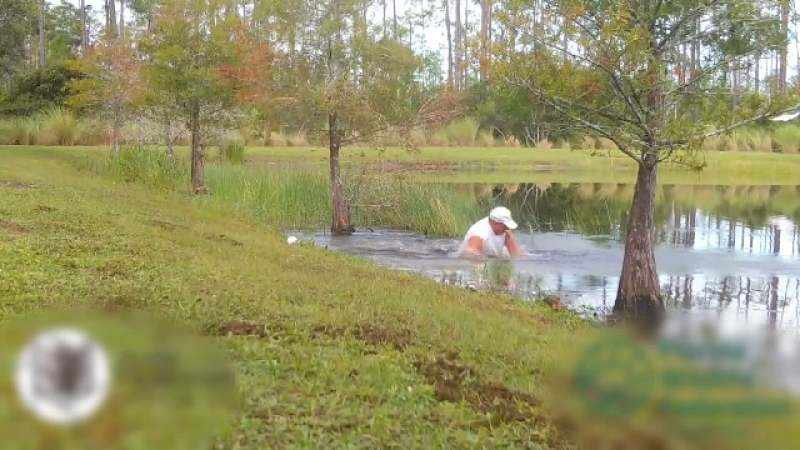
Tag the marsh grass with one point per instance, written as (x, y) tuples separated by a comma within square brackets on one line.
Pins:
[(147, 166), (300, 198)]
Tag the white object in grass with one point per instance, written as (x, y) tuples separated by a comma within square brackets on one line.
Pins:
[(291, 240)]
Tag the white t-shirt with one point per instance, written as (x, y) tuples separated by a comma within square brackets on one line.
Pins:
[(493, 245)]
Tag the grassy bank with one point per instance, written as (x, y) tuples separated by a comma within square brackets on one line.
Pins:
[(328, 351)]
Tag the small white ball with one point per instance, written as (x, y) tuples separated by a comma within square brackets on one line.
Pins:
[(291, 240)]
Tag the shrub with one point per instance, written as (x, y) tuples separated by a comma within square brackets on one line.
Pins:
[(24, 131), (277, 139), (485, 139), (513, 142), (606, 144), (439, 139), (417, 137), (59, 127), (462, 132), (297, 139)]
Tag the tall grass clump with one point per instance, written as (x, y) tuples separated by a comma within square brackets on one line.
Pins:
[(300, 199), (5, 133), (788, 138), (288, 198), (21, 131), (59, 127), (417, 137), (277, 139), (233, 153), (430, 209), (462, 132), (485, 139), (439, 139), (146, 166), (297, 139), (753, 139)]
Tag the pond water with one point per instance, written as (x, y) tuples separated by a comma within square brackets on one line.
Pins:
[(731, 252)]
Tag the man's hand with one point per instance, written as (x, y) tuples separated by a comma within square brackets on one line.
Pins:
[(511, 244)]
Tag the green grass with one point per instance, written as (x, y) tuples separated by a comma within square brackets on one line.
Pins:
[(745, 175), (756, 167), (328, 351), (336, 367)]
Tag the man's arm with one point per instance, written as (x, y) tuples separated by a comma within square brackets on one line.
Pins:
[(511, 244), (474, 248)]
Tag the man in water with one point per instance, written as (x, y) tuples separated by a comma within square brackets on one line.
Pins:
[(491, 236)]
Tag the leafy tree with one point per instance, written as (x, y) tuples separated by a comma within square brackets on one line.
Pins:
[(39, 90), (190, 41), (14, 17), (621, 86), (63, 32), (111, 84), (348, 85)]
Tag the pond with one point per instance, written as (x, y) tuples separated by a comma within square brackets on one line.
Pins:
[(727, 251)]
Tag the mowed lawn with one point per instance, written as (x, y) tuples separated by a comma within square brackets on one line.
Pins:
[(329, 351), (506, 164)]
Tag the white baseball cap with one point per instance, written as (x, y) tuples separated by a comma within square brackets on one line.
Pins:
[(503, 215)]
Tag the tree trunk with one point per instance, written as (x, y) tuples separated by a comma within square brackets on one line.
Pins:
[(168, 135), (42, 41), (486, 13), (115, 135), (449, 43), (639, 295), (784, 48), (465, 62), (512, 36), (457, 68), (384, 19), (758, 72), (84, 38), (112, 18), (341, 209), (394, 17), (197, 151), (122, 19)]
